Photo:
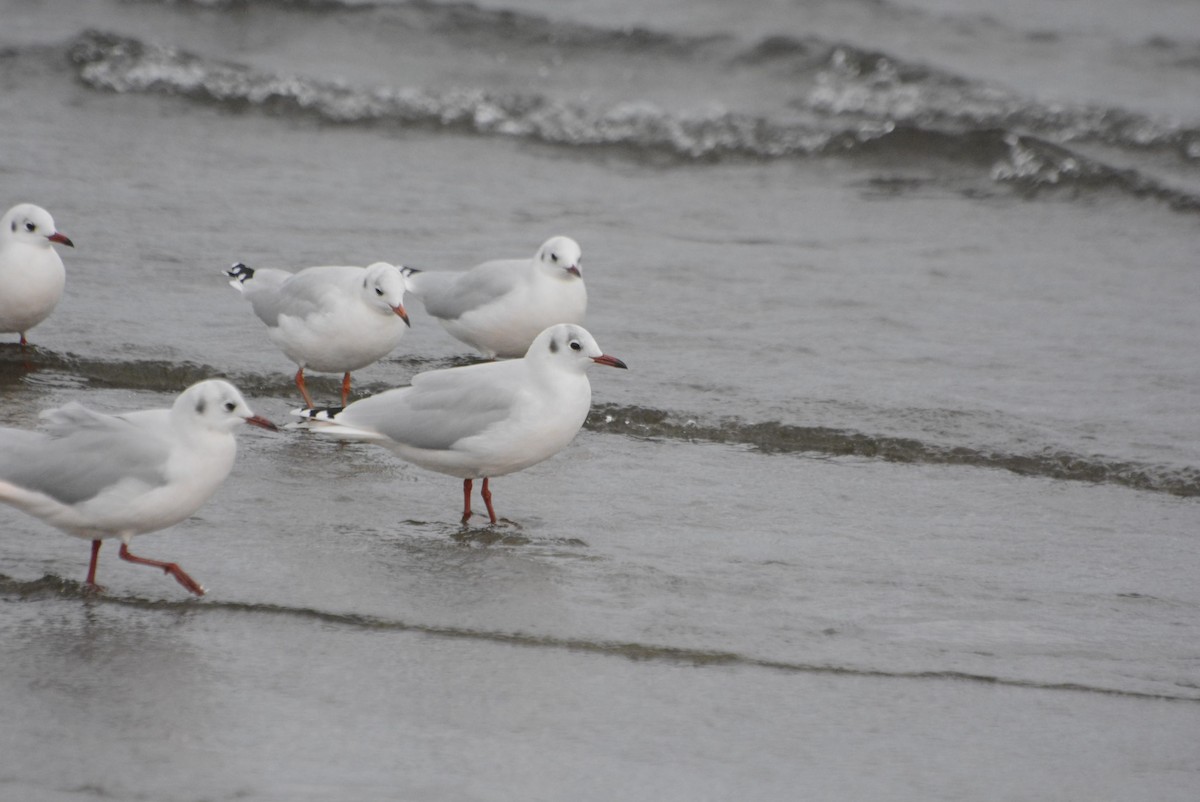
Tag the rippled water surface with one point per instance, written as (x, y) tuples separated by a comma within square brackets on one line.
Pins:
[(898, 498)]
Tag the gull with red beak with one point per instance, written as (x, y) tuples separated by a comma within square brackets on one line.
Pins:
[(479, 421), (98, 476), (328, 319), (31, 272), (499, 307)]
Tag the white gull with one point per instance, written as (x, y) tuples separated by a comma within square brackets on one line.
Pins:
[(97, 476), (480, 421), (328, 319), (498, 307), (31, 272)]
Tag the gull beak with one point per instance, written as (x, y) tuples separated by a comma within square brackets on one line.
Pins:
[(611, 361), (399, 310), (574, 271), (258, 420), (61, 238)]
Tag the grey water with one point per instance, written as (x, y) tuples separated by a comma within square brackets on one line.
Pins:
[(897, 500)]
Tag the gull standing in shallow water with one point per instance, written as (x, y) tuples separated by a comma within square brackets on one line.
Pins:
[(31, 272), (498, 307), (97, 476), (328, 319), (480, 421)]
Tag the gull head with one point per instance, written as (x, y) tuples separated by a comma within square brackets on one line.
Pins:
[(561, 253), (383, 288), (32, 225), (570, 347), (215, 404)]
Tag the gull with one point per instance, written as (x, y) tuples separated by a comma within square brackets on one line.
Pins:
[(498, 307), (96, 476), (483, 420), (31, 273), (328, 319)]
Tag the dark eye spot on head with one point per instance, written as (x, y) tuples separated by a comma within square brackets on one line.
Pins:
[(378, 291), (554, 346), (554, 257), (30, 226), (201, 405), (575, 345), (230, 406)]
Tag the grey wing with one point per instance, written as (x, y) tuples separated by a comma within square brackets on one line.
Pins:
[(451, 295), (276, 292), (441, 407), (75, 463)]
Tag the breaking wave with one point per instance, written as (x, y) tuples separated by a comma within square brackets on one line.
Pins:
[(847, 103)]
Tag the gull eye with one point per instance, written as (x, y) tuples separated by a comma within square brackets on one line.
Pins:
[(575, 345), (30, 226), (379, 292), (554, 257), (230, 406)]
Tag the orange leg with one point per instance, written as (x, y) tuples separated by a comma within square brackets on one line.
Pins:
[(304, 390), (170, 568), (487, 499), (466, 500), (345, 388), (91, 578)]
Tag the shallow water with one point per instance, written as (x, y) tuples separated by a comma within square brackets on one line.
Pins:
[(897, 499)]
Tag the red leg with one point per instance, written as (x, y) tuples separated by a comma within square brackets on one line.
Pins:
[(304, 390), (487, 499), (170, 568), (466, 500), (24, 342), (91, 578), (345, 387)]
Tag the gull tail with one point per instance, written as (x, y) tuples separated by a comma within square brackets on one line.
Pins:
[(314, 419), (239, 274), (325, 421)]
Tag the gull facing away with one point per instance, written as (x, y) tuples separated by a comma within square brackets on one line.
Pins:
[(328, 319), (498, 307), (480, 421), (31, 272), (97, 476)]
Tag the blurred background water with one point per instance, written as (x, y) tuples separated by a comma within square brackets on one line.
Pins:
[(897, 500)]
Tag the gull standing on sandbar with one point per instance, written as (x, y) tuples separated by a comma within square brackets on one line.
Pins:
[(499, 307), (97, 476), (479, 421), (31, 272), (328, 319)]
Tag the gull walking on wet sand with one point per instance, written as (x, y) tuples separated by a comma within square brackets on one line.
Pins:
[(479, 421), (97, 476)]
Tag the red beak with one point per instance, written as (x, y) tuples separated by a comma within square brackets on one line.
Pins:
[(258, 420), (611, 361), (399, 310), (574, 271), (61, 238)]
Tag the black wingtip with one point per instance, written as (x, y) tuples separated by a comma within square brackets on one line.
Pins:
[(240, 272), (321, 413)]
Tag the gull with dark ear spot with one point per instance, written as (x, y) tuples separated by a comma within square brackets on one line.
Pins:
[(328, 319), (31, 272), (480, 421), (498, 307), (99, 476)]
